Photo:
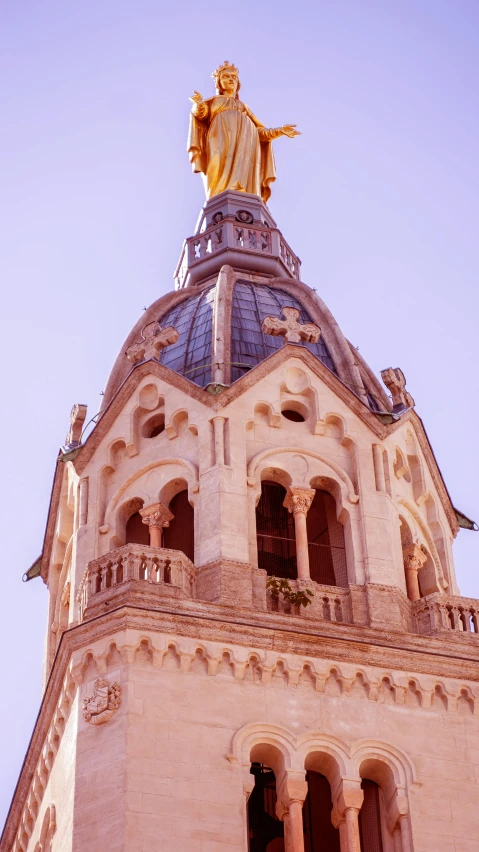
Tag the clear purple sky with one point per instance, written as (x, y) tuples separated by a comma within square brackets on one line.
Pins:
[(379, 197)]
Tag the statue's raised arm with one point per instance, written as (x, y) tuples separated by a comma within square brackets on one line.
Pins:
[(227, 143)]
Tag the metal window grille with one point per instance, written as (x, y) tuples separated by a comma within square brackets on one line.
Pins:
[(277, 542), (264, 826), (320, 835), (275, 533), (180, 533), (370, 818)]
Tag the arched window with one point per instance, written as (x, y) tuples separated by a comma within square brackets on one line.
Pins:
[(320, 835), (180, 534), (327, 555), (370, 818), (275, 533), (136, 531), (265, 829)]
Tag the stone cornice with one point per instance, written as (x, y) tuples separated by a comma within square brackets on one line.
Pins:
[(51, 519)]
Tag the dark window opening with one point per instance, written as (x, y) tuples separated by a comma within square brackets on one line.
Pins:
[(295, 416), (327, 556), (136, 531), (154, 426), (275, 533), (157, 430), (265, 829), (370, 818), (320, 835), (180, 534)]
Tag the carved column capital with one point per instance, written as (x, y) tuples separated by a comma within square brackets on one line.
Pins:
[(298, 500), (292, 787), (414, 557), (156, 515), (349, 795)]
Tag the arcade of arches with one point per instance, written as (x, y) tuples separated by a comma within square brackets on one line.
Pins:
[(279, 531), (177, 534), (266, 832)]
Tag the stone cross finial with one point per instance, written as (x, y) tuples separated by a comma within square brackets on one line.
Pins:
[(290, 328), (77, 419), (155, 338), (395, 381)]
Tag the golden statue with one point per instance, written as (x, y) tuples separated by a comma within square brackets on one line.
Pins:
[(228, 144)]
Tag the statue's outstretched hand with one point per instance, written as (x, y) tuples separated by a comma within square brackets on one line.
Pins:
[(289, 130), (196, 98)]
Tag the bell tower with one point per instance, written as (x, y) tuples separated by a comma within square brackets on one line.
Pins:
[(256, 641)]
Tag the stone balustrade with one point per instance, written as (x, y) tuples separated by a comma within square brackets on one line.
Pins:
[(236, 243), (155, 566), (329, 603), (437, 613)]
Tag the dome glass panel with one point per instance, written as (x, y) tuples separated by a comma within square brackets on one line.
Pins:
[(249, 345), (191, 354)]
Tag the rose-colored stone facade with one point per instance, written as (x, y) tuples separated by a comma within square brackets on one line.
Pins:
[(170, 668)]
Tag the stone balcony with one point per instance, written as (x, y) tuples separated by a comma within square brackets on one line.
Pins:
[(436, 614), (145, 575), (235, 228), (138, 571)]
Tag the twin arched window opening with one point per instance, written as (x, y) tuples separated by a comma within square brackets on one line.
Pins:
[(266, 830), (179, 535), (276, 537)]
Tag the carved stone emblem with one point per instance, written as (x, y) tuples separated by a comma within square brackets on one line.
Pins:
[(102, 703), (154, 339), (290, 328), (245, 217)]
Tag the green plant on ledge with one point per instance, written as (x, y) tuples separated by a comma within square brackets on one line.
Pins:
[(277, 587)]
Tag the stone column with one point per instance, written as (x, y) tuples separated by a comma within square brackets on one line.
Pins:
[(343, 835), (397, 840), (352, 829), (219, 434), (292, 791), (83, 501), (378, 459), (414, 559), (348, 804), (298, 501), (405, 829), (293, 827), (156, 517)]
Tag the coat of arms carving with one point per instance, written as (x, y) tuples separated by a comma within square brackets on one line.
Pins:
[(102, 703)]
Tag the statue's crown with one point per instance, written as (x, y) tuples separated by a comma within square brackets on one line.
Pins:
[(225, 66)]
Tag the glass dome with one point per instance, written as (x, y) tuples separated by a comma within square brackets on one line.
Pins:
[(191, 355)]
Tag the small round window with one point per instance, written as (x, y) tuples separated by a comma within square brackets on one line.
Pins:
[(154, 426), (295, 416)]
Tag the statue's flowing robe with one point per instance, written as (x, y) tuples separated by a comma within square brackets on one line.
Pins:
[(231, 147)]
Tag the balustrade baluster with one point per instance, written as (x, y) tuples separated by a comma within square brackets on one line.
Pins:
[(92, 579), (338, 612)]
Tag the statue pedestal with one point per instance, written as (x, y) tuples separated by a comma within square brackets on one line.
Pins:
[(235, 228)]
